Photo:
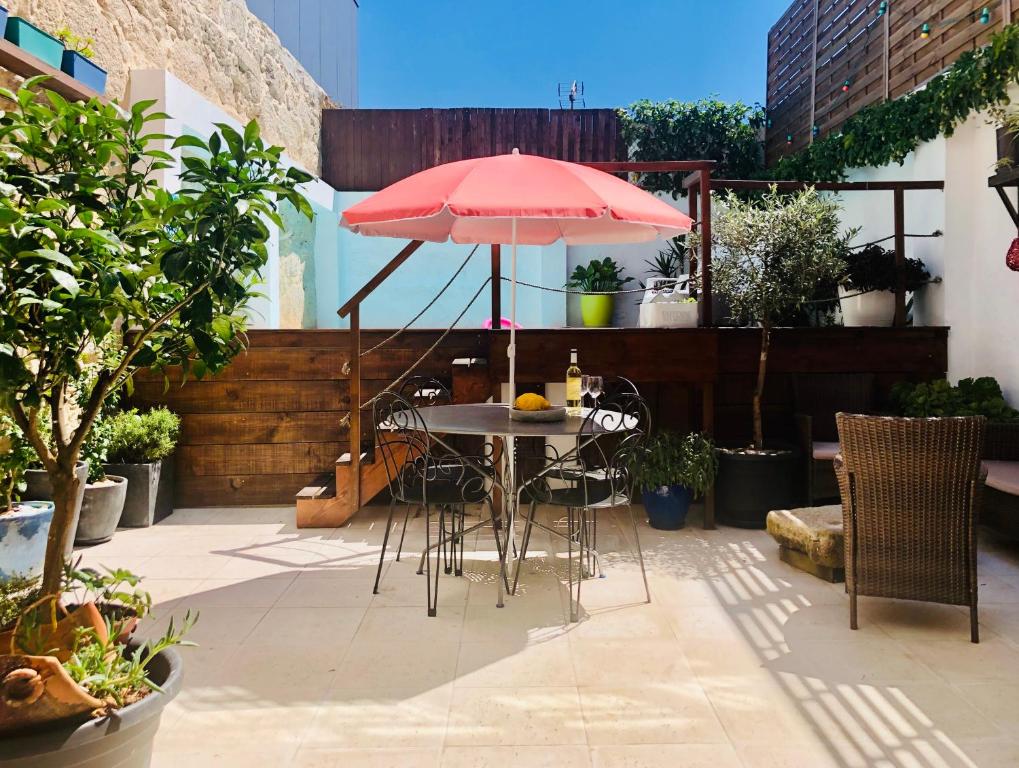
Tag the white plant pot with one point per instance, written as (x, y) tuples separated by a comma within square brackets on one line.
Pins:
[(669, 314), (876, 308)]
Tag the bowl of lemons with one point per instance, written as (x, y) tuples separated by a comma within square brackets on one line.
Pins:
[(533, 407)]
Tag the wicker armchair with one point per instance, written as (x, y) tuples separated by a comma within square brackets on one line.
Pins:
[(911, 493), (817, 398)]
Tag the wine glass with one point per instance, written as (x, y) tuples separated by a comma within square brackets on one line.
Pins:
[(585, 387), (594, 387)]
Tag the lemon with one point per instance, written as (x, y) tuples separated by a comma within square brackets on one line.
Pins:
[(532, 402)]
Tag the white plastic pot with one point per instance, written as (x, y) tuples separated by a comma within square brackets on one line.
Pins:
[(876, 308)]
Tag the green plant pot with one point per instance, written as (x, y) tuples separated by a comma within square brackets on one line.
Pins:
[(30, 38), (596, 309)]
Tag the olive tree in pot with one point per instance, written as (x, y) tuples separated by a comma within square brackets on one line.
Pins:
[(670, 472), (92, 244), (140, 445), (867, 285), (770, 252)]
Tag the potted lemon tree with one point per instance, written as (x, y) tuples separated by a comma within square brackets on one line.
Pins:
[(176, 269)]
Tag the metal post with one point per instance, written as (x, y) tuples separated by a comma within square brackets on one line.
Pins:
[(496, 286), (900, 255), (355, 407), (706, 319)]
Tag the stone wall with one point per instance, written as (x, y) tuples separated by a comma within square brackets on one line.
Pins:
[(217, 47)]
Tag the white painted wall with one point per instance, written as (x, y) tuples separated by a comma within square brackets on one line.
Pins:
[(979, 297)]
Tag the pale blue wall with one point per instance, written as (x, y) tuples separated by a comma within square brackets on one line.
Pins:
[(421, 277)]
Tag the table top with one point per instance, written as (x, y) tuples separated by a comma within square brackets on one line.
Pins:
[(493, 419)]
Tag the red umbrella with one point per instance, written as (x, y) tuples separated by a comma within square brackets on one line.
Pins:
[(515, 199)]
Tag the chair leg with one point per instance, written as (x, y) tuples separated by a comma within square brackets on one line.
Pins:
[(524, 542), (458, 560), (403, 533), (974, 624), (640, 552), (496, 526), (449, 546), (432, 589), (385, 542)]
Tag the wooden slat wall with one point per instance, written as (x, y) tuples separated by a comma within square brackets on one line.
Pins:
[(271, 422), (850, 45), (367, 149)]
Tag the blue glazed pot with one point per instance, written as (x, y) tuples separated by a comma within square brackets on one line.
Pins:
[(84, 71), (23, 535), (667, 506)]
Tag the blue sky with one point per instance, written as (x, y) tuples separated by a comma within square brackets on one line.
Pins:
[(497, 53)]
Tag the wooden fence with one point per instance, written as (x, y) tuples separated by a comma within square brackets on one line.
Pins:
[(368, 149), (272, 422), (827, 59)]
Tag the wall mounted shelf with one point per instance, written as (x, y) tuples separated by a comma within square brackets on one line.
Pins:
[(20, 62)]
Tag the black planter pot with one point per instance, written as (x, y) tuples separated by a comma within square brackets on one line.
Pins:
[(752, 483), (667, 507), (39, 488), (101, 510), (143, 491), (123, 739)]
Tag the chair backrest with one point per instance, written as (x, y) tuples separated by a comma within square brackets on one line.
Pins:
[(910, 495), (421, 391), (822, 395), (402, 437), (614, 451)]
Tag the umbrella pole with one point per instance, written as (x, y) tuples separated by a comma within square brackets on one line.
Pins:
[(512, 351)]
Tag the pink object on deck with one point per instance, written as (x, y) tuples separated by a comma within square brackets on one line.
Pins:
[(504, 322)]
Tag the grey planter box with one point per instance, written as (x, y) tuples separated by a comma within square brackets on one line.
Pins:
[(38, 488), (101, 510), (149, 492)]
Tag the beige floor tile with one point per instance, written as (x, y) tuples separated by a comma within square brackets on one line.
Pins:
[(516, 757), (312, 592), (961, 661), (294, 628), (259, 592), (276, 726), (381, 719), (518, 623), (498, 664), (666, 756), (653, 714), (214, 627), (185, 567), (410, 591), (515, 717), (629, 663), (386, 624), (367, 758), (634, 622), (800, 756), (766, 709), (225, 756), (998, 703), (872, 660), (394, 664)]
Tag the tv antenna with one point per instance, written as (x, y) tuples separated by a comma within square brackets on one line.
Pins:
[(571, 95)]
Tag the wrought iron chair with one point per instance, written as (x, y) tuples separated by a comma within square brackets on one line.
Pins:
[(422, 391), (425, 478), (911, 494), (593, 481)]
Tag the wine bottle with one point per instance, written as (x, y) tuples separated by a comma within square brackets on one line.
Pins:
[(573, 386)]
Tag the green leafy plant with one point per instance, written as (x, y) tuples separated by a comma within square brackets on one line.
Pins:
[(114, 673), (873, 269), (970, 397), (115, 591), (143, 437), (770, 254), (16, 456), (91, 243), (603, 276), (669, 260), (671, 459), (16, 594), (71, 41), (888, 131), (709, 129)]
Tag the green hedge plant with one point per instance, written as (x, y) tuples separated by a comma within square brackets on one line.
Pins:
[(873, 269), (672, 459), (143, 437), (970, 397)]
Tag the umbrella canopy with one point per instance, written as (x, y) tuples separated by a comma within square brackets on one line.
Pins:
[(476, 201), (515, 199)]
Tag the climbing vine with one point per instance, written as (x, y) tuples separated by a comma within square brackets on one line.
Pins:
[(889, 131)]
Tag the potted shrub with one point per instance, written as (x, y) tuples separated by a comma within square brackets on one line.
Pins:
[(77, 60), (867, 285), (671, 304), (970, 397), (140, 444), (24, 525), (670, 473), (30, 38), (77, 270), (598, 281), (770, 252)]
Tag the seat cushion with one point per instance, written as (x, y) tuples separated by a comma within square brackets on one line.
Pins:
[(1003, 476), (823, 451), (814, 531)]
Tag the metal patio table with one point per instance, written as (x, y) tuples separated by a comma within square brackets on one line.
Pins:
[(493, 419)]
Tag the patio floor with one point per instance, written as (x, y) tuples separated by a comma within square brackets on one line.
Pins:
[(740, 660)]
